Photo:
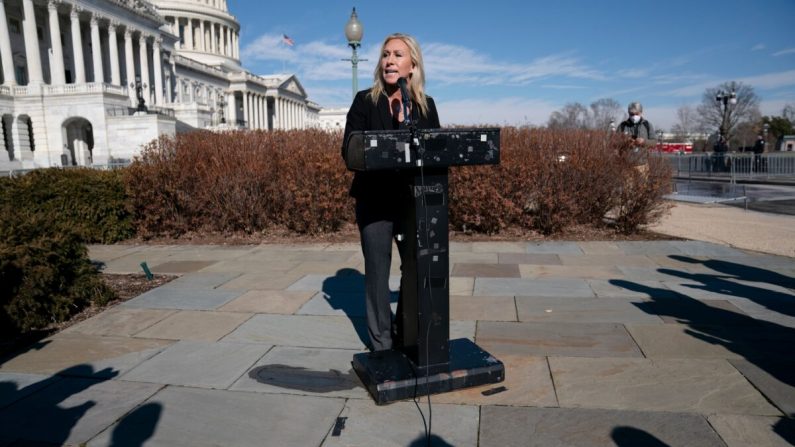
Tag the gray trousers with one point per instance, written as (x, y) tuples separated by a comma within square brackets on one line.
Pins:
[(379, 223)]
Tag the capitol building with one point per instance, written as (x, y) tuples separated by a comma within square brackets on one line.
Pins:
[(88, 82)]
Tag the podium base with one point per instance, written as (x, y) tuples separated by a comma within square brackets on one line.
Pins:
[(390, 375)]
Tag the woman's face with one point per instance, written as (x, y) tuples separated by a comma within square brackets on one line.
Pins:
[(395, 61)]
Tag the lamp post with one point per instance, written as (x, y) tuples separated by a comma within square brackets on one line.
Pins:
[(354, 32), (727, 100), (765, 128)]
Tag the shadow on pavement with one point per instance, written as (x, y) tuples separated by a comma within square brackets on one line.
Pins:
[(765, 345), (436, 441), (134, 429), (632, 437), (36, 413), (345, 291), (303, 379)]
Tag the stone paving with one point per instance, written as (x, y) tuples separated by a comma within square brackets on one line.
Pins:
[(679, 343)]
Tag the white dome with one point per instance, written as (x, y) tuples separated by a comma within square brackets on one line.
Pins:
[(207, 32)]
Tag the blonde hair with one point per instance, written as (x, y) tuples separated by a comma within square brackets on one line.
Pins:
[(416, 82)]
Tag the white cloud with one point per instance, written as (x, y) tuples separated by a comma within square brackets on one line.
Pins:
[(783, 52), (765, 81), (509, 110), (758, 47)]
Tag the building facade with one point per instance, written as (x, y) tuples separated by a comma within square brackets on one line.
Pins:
[(91, 81)]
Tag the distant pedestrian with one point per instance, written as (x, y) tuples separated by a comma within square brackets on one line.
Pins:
[(640, 131)]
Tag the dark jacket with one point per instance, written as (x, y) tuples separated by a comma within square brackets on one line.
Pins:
[(642, 129), (364, 115)]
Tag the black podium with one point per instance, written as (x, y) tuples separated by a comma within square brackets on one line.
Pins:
[(427, 361)]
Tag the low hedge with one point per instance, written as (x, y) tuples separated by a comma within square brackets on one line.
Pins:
[(255, 181), (45, 273)]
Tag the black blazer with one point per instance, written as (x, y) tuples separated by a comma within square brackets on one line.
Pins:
[(364, 115)]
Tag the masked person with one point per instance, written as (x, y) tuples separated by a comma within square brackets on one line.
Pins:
[(639, 130)]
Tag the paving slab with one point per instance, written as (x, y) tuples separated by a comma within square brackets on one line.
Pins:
[(399, 424), (665, 248), (105, 253), (461, 286), (339, 283), (599, 248), (699, 248), (775, 378), (697, 312), (15, 386), (486, 270), (556, 339), (262, 280), (566, 427), (685, 341), (492, 308), (201, 280), (119, 321), (554, 247), (463, 329), (252, 265), (309, 331), (758, 431), (475, 258), (268, 302), (647, 274), (529, 258), (606, 288), (527, 382), (532, 287), (84, 355), (499, 247), (340, 303), (608, 259), (209, 252), (169, 267), (310, 372), (570, 271), (583, 310), (190, 417), (325, 268), (300, 254), (676, 385), (196, 325), (198, 364), (692, 264), (71, 411), (183, 298), (780, 313)]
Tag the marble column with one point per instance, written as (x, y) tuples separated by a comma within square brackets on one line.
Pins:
[(265, 113), (32, 51), (113, 47), (143, 57), (245, 110), (57, 72), (129, 63), (189, 35), (96, 50), (9, 77), (202, 40), (158, 67), (213, 44), (77, 46), (231, 113)]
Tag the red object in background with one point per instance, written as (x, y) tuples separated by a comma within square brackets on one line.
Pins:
[(682, 148)]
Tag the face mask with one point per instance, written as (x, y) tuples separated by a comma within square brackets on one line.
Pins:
[(635, 119)]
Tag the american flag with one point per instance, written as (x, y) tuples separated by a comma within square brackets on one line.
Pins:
[(287, 41)]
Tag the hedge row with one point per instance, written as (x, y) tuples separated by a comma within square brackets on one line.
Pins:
[(255, 181)]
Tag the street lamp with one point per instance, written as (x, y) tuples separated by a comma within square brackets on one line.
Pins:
[(765, 128), (728, 100), (354, 32)]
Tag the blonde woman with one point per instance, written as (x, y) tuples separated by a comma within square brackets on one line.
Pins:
[(380, 195)]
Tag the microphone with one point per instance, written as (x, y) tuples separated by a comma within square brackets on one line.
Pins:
[(404, 93)]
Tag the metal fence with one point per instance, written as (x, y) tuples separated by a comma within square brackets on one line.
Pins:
[(733, 166)]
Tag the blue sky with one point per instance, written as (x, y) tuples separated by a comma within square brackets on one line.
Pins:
[(514, 62)]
